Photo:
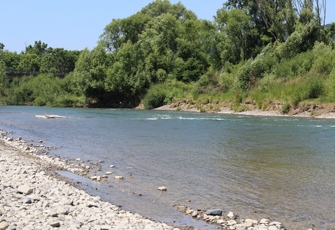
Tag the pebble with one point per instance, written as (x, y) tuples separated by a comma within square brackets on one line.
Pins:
[(32, 199), (3, 225), (162, 188), (231, 215)]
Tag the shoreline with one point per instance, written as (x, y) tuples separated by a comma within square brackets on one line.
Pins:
[(35, 196), (30, 166), (304, 111)]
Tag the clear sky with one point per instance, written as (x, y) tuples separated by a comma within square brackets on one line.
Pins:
[(76, 25)]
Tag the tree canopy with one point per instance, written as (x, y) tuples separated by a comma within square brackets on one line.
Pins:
[(166, 44)]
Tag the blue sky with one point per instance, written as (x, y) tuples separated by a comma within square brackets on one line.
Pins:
[(76, 25)]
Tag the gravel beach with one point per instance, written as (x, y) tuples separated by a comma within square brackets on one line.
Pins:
[(32, 197)]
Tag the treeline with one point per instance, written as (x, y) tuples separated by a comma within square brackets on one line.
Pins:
[(255, 51), (40, 58)]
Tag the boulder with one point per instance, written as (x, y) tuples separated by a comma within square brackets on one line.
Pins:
[(231, 222), (3, 225), (214, 212), (24, 189), (91, 204), (55, 224), (264, 221)]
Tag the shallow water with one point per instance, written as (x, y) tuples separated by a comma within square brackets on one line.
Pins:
[(257, 167)]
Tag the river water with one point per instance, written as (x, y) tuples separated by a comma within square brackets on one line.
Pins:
[(282, 168)]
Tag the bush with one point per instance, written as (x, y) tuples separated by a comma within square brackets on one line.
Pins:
[(256, 68), (330, 84), (154, 98), (39, 101), (285, 108), (296, 66), (311, 88), (301, 40), (69, 101), (324, 59)]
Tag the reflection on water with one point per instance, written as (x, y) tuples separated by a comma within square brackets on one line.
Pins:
[(255, 166)]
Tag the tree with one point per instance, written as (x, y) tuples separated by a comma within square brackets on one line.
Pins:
[(160, 7), (90, 73), (58, 61), (239, 40), (29, 62), (2, 46), (3, 78), (11, 59), (39, 48), (313, 8), (120, 31)]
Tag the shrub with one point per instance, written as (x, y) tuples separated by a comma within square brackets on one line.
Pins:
[(301, 40), (154, 98), (256, 68), (324, 59), (296, 66), (311, 88), (39, 101), (330, 83), (69, 101), (285, 109)]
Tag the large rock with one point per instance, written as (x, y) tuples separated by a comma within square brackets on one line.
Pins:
[(264, 221), (55, 224), (24, 189), (272, 228), (92, 204), (214, 212), (3, 225)]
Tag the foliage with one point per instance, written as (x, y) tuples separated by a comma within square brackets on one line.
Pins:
[(301, 40), (256, 68), (254, 52), (155, 97), (285, 108), (3, 79)]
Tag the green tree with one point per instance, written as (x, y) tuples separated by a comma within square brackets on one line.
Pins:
[(3, 78), (58, 61), (236, 36), (90, 73), (160, 7), (11, 59), (39, 48), (29, 62)]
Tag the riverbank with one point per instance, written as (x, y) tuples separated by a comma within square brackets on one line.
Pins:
[(34, 196), (306, 110)]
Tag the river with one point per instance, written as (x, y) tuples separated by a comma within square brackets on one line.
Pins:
[(282, 168)]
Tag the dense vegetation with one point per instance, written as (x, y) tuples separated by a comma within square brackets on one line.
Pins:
[(253, 52)]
